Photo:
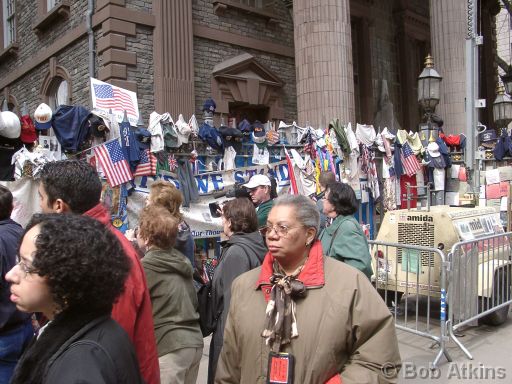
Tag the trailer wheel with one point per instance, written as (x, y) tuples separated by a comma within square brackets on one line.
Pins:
[(500, 295)]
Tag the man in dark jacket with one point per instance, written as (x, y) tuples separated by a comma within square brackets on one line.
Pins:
[(74, 186), (15, 326)]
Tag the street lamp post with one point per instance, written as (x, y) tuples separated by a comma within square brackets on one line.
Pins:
[(428, 86), (502, 108), (429, 90)]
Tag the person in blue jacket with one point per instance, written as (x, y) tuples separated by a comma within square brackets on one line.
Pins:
[(15, 326), (344, 239)]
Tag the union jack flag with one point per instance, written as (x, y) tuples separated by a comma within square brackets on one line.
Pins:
[(173, 163), (410, 163), (147, 164)]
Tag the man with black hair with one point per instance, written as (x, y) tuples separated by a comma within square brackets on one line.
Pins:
[(15, 326), (74, 186)]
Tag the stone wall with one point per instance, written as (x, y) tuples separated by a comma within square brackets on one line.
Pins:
[(143, 73), (207, 54)]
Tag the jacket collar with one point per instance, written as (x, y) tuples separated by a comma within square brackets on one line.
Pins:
[(100, 213), (312, 275), (337, 222)]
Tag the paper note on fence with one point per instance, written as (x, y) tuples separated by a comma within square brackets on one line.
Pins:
[(492, 176)]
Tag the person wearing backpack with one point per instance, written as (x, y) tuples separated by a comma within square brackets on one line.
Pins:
[(244, 250)]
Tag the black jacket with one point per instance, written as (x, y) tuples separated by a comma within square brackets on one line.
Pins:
[(80, 348), (241, 253), (100, 352)]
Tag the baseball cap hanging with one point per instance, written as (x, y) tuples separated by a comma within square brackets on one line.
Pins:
[(43, 117), (211, 136), (230, 135), (488, 139), (433, 149)]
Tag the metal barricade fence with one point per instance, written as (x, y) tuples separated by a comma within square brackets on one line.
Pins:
[(412, 280), (480, 283)]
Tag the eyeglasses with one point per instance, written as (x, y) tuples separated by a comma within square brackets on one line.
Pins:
[(280, 229), (25, 268)]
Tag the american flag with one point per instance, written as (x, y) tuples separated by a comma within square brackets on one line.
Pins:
[(147, 164), (113, 163), (410, 163), (108, 96), (173, 163)]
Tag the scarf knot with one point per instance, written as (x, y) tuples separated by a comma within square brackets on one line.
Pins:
[(281, 320)]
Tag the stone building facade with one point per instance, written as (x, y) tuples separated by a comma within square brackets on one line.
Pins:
[(303, 60)]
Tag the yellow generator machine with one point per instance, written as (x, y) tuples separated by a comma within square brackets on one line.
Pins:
[(478, 271)]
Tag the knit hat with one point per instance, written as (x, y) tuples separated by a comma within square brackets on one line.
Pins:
[(28, 130), (209, 105)]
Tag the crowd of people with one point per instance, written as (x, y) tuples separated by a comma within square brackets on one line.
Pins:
[(291, 293)]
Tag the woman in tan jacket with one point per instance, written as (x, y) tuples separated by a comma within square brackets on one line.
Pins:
[(303, 317)]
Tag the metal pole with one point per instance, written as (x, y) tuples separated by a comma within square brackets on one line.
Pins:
[(471, 95)]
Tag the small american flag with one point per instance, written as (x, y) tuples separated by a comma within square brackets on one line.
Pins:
[(173, 163), (147, 164), (410, 163), (108, 96), (113, 163)]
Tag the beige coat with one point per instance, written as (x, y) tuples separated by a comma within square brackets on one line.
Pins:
[(344, 327)]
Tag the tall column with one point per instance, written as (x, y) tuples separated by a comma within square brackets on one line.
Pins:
[(448, 26), (173, 55), (323, 60)]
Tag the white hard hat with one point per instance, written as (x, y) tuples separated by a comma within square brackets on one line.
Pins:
[(10, 125)]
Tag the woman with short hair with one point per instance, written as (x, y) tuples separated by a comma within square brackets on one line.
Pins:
[(165, 194), (72, 270), (243, 251), (173, 297), (314, 319), (344, 239)]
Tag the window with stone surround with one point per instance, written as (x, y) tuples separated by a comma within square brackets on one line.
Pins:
[(50, 12), (8, 23), (58, 93), (57, 86)]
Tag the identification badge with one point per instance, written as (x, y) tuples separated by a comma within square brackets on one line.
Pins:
[(280, 368)]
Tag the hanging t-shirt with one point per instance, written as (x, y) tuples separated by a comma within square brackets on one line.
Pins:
[(129, 145)]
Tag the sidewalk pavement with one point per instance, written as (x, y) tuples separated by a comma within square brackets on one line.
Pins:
[(491, 348)]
